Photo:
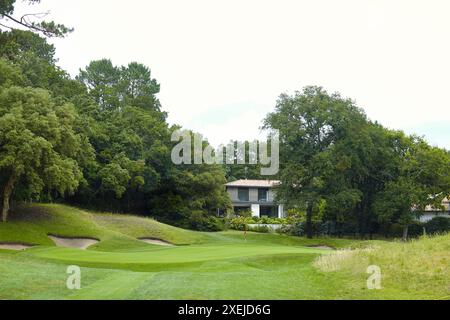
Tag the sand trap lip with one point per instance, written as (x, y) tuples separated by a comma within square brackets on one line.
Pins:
[(70, 242), (14, 246), (158, 242)]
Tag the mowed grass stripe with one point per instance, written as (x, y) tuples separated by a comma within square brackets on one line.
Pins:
[(118, 286)]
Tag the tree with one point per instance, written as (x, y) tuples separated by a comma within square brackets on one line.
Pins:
[(114, 88), (39, 150), (189, 191), (36, 59), (422, 180), (312, 124), (101, 78), (31, 21), (138, 87)]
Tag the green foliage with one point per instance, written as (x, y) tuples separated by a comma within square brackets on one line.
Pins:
[(337, 166), (200, 221), (112, 116), (239, 223), (437, 225), (260, 229), (116, 87), (9, 74), (7, 6), (245, 213), (422, 180), (39, 146), (315, 128)]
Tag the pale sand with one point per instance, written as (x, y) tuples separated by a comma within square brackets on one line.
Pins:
[(14, 246), (79, 243), (156, 241)]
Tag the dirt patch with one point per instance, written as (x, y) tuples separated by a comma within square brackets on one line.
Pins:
[(158, 242), (78, 243), (28, 213), (14, 246)]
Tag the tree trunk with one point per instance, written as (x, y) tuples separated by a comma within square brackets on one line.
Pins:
[(7, 191), (309, 213), (405, 233)]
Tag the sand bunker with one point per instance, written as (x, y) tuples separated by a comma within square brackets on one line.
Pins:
[(14, 246), (79, 243), (158, 242)]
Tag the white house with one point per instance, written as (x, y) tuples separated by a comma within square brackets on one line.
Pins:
[(431, 213), (257, 196)]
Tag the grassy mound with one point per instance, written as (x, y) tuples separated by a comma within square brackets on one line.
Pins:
[(138, 227), (32, 224)]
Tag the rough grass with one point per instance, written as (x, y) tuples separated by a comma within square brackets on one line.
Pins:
[(415, 269), (139, 227)]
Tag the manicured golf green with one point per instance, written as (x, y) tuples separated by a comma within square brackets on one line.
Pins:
[(222, 265)]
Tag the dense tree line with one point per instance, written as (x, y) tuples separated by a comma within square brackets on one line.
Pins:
[(102, 141), (337, 164)]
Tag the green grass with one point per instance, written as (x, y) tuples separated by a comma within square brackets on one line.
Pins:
[(413, 270), (203, 265), (32, 225)]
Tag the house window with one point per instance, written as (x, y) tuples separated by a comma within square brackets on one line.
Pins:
[(262, 194), (269, 211), (243, 194)]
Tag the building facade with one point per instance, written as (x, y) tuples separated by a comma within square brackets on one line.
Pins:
[(257, 196), (431, 212)]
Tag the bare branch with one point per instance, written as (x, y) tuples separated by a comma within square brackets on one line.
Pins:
[(40, 15), (30, 25), (5, 26)]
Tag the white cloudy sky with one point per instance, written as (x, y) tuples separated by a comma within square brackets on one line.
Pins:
[(222, 64)]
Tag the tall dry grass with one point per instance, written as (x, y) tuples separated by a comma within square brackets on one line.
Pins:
[(419, 266)]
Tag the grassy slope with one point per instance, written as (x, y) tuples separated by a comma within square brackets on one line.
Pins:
[(32, 224), (414, 270), (214, 266), (138, 227)]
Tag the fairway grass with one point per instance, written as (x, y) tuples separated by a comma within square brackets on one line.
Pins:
[(203, 265)]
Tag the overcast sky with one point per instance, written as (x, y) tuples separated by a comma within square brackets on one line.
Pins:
[(222, 64)]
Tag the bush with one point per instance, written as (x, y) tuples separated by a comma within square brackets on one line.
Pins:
[(199, 220), (416, 229), (244, 213), (395, 230), (299, 228), (296, 229), (268, 220), (239, 223), (438, 225)]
